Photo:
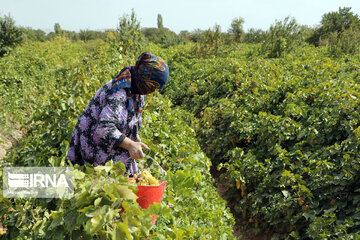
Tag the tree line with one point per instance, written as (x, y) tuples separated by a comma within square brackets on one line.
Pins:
[(339, 30)]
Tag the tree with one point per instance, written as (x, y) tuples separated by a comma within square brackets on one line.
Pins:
[(70, 34), (236, 29), (130, 37), (282, 37), (57, 29), (163, 36), (10, 35), (40, 35), (185, 36), (348, 42), (195, 35), (86, 35), (209, 43), (338, 22), (30, 34), (255, 36), (160, 21)]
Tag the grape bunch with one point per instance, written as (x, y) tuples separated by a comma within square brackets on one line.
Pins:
[(145, 179), (2, 230)]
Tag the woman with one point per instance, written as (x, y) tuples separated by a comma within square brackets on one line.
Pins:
[(108, 128)]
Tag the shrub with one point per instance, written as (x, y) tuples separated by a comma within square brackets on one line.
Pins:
[(33, 35), (347, 42), (87, 35), (130, 39), (236, 29), (196, 35), (282, 37), (255, 36), (333, 22), (163, 36), (10, 35), (209, 42)]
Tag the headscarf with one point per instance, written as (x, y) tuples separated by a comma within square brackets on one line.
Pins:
[(149, 73)]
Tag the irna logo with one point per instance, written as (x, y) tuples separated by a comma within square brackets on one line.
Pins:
[(38, 182)]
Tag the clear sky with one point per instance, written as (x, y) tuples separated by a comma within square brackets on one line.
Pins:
[(177, 15)]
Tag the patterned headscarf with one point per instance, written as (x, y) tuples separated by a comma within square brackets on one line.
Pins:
[(149, 73)]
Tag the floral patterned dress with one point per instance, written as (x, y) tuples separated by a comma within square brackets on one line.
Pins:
[(103, 125)]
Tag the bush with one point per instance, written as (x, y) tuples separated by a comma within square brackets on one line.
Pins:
[(347, 42), (196, 35), (33, 35), (185, 36), (335, 22), (209, 43), (10, 35), (282, 37), (130, 39), (255, 36), (87, 35), (236, 30), (163, 36)]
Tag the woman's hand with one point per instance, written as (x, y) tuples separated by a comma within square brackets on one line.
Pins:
[(134, 148)]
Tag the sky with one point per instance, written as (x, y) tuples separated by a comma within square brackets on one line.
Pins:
[(76, 15)]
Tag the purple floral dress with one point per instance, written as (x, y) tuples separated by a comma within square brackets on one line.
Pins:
[(103, 125)]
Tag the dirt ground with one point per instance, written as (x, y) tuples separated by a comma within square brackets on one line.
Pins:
[(238, 230), (9, 139)]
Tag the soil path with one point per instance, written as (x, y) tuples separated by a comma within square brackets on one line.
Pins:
[(238, 230), (8, 140)]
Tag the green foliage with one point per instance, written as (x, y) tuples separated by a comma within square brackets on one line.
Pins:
[(285, 134), (281, 38), (190, 185), (57, 29), (339, 21), (185, 36), (346, 42), (163, 36), (130, 39), (33, 35), (160, 21), (340, 31), (236, 29), (255, 36), (10, 35), (335, 22), (191, 208), (87, 35), (94, 212), (209, 43), (332, 26), (196, 34), (324, 227)]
